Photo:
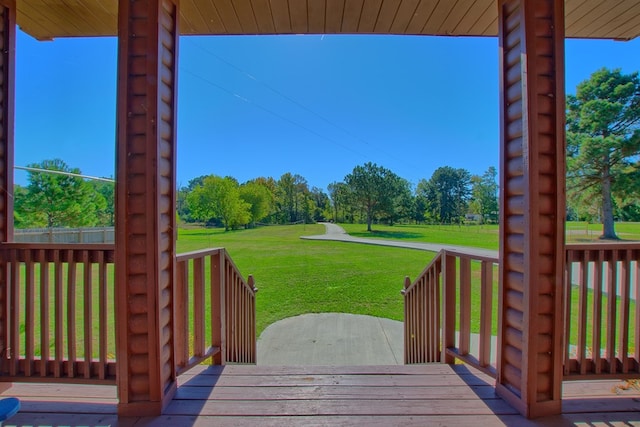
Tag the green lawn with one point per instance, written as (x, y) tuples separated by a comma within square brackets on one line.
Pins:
[(484, 236), (296, 276)]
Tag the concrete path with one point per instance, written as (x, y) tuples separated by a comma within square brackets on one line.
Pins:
[(336, 233), (332, 339)]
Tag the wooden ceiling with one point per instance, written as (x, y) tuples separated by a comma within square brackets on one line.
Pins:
[(47, 19)]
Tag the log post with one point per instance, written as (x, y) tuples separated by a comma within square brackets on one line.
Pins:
[(145, 204), (532, 153)]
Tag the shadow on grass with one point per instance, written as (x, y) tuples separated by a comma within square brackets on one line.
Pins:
[(387, 234)]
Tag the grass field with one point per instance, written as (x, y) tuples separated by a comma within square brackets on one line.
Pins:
[(296, 276)]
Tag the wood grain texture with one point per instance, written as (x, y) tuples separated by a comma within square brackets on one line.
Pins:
[(618, 19)]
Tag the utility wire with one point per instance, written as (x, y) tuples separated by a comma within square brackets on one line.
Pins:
[(293, 101), (94, 178), (280, 116)]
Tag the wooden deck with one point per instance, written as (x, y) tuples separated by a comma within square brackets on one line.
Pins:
[(418, 395)]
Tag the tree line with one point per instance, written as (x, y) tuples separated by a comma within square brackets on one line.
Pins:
[(369, 194), (603, 182)]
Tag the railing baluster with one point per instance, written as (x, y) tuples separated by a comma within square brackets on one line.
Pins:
[(625, 282), (198, 307), (44, 312), (103, 313), (568, 278), (465, 305), (15, 315), (58, 369), (88, 313), (597, 311), (181, 313), (582, 312), (449, 306), (29, 312), (71, 313), (612, 284), (486, 313)]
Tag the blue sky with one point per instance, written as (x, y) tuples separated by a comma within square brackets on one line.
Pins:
[(312, 105)]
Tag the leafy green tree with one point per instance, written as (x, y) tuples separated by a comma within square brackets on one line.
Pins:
[(259, 199), (603, 142), (484, 191), (57, 200), (321, 204), (447, 193), (339, 197), (219, 197), (373, 188), (106, 212)]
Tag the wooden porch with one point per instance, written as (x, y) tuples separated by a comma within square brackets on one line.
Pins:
[(435, 394), (152, 352)]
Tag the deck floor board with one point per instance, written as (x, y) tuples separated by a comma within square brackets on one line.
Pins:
[(323, 396)]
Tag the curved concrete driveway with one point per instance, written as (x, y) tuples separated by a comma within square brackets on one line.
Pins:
[(336, 233)]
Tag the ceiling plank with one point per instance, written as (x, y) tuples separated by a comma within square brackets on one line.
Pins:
[(298, 14), (483, 20), (369, 16), (439, 15), (191, 20), (352, 13), (264, 16), (387, 15), (281, 19), (228, 16), (244, 13), (334, 16), (316, 16), (405, 12), (421, 16)]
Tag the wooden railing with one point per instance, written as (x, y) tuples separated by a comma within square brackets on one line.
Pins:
[(455, 275), (227, 331), (57, 312), (422, 315), (55, 301), (602, 311)]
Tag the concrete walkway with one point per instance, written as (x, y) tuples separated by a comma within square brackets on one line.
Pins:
[(332, 339), (336, 233), (340, 339)]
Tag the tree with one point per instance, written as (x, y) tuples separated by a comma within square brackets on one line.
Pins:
[(219, 197), (373, 188), (106, 213), (484, 193), (447, 193), (259, 199), (339, 195), (56, 200), (603, 142)]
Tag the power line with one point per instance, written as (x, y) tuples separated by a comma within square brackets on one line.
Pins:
[(280, 116), (56, 172), (293, 101)]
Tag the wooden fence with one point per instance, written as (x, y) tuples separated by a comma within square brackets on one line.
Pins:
[(65, 235)]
